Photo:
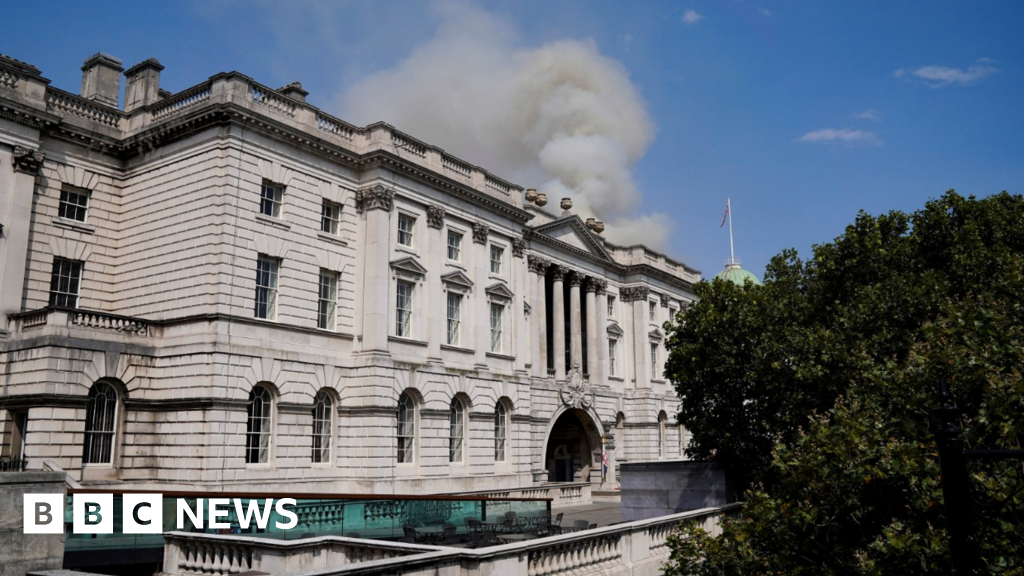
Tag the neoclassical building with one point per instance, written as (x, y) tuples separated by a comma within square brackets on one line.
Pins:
[(228, 288)]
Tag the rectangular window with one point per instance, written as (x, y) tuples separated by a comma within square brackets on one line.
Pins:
[(73, 204), (454, 314), (65, 281), (497, 310), (454, 246), (403, 309), (328, 300), (611, 356), (653, 307), (654, 360), (497, 254), (330, 217), (611, 306), (266, 287), (406, 224), (271, 197)]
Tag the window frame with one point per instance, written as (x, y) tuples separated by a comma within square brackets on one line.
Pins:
[(327, 305), (457, 247), (500, 432), (456, 431), (613, 345), (330, 217), (497, 340), (261, 449), (270, 290), (68, 297), (410, 233), (654, 360), (273, 202), (453, 333), (404, 330), (78, 209), (652, 307), (406, 451), (323, 428), (497, 266), (102, 438), (611, 305)]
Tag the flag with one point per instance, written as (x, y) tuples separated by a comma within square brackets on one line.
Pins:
[(604, 463), (726, 215)]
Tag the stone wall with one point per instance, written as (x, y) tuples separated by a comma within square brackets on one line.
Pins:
[(19, 552)]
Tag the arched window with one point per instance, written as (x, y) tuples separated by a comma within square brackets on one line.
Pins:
[(662, 449), (257, 428), (100, 424), (456, 430), (682, 441), (323, 420), (406, 429), (500, 432)]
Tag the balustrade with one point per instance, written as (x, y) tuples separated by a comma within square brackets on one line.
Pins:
[(182, 101), (325, 123), (271, 99), (109, 322), (66, 104)]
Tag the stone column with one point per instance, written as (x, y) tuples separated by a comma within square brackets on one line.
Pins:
[(637, 295), (522, 348), (558, 319), (593, 367), (378, 294), (601, 333), (16, 216), (436, 246), (575, 318), (540, 317)]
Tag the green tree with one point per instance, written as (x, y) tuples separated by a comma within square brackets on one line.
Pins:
[(821, 381)]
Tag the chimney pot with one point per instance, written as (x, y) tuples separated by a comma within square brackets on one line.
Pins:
[(101, 79)]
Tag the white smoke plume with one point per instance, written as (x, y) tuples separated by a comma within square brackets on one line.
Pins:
[(560, 115)]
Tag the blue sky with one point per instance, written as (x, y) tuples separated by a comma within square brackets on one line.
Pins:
[(802, 112)]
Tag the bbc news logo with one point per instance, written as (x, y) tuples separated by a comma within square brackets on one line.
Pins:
[(144, 513)]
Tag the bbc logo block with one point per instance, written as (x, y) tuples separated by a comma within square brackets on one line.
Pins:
[(44, 514)]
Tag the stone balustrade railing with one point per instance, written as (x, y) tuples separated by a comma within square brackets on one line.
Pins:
[(181, 101), (66, 104), (562, 494), (88, 319), (629, 549), (197, 554)]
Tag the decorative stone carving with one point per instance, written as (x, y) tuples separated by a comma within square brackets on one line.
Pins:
[(634, 293), (600, 286), (591, 285), (664, 300), (518, 247), (575, 278), (435, 216), (537, 264), (27, 161), (375, 198), (480, 233), (575, 391), (541, 200), (566, 205), (558, 272), (531, 194)]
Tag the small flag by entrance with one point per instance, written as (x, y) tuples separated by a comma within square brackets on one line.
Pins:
[(726, 215), (604, 463)]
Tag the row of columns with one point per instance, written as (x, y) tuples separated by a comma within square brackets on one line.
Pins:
[(596, 290)]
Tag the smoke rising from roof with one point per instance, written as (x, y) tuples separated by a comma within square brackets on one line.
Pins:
[(561, 114)]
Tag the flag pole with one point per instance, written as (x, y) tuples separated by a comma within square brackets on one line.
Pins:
[(732, 253)]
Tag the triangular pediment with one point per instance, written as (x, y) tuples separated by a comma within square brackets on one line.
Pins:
[(457, 278), (656, 334), (499, 291), (571, 230), (615, 330), (408, 267)]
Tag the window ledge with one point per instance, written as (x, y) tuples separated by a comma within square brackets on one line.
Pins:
[(658, 380), (332, 238), (407, 341), (457, 349), (498, 277), (500, 355), (407, 249), (617, 378), (456, 264), (275, 222), (73, 225)]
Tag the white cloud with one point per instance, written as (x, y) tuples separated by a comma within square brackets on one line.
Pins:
[(561, 116), (691, 17), (843, 135), (766, 12), (938, 76), (867, 115)]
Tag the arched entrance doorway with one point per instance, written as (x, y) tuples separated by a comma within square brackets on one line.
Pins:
[(573, 444)]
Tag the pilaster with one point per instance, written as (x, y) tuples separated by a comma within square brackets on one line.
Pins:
[(16, 217), (376, 203)]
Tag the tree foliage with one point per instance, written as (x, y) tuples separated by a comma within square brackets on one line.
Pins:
[(820, 382)]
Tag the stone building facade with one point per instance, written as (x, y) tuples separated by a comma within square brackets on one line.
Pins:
[(227, 287)]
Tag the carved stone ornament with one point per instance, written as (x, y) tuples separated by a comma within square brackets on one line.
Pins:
[(27, 161), (480, 233), (518, 247), (600, 286), (575, 279), (435, 216), (375, 198), (575, 391), (537, 265), (664, 300), (634, 293), (558, 272)]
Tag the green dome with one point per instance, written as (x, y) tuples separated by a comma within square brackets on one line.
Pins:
[(737, 275)]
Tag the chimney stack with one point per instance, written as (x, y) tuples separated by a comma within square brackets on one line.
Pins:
[(143, 84), (294, 91), (101, 79)]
